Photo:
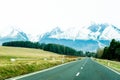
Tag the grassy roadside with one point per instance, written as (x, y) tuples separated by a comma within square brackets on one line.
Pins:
[(19, 69), (19, 61), (112, 64)]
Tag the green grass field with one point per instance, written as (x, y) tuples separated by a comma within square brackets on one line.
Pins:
[(112, 64), (16, 61)]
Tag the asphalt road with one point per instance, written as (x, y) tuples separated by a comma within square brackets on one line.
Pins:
[(85, 69)]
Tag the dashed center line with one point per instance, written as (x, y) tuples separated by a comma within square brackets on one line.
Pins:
[(78, 74), (85, 62), (81, 67)]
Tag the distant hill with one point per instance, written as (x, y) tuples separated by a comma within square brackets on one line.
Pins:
[(15, 52)]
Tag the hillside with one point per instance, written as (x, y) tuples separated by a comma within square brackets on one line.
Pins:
[(25, 52), (16, 61)]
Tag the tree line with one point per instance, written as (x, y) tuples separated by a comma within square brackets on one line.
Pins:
[(112, 52), (60, 49)]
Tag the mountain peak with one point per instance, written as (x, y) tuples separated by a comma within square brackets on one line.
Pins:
[(12, 34), (93, 32), (77, 37), (56, 30), (95, 27)]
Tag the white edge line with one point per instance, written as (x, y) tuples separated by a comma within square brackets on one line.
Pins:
[(78, 74), (108, 68), (29, 74)]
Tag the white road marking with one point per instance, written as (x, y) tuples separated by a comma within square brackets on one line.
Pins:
[(78, 74), (81, 67), (108, 67), (85, 62)]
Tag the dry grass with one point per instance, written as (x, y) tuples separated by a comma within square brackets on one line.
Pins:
[(27, 60), (112, 64), (25, 52)]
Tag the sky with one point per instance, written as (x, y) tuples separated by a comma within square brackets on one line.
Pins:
[(38, 16)]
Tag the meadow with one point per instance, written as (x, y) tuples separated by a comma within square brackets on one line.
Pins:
[(15, 61)]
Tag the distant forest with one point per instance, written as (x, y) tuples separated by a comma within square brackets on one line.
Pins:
[(56, 48), (111, 52)]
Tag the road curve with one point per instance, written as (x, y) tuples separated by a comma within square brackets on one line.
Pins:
[(85, 69)]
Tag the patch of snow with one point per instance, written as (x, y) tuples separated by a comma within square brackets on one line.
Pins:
[(110, 33)]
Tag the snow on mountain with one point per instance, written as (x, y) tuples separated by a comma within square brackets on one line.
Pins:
[(110, 32), (83, 38), (12, 34), (80, 38), (55, 31), (33, 38), (94, 32), (72, 33), (8, 32)]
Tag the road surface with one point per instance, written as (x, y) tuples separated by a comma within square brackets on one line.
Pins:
[(85, 69)]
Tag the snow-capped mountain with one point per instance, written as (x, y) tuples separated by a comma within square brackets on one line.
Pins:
[(81, 38), (12, 34), (33, 38), (72, 33), (93, 32), (55, 31)]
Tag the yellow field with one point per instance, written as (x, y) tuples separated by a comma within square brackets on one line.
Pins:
[(15, 61), (25, 52)]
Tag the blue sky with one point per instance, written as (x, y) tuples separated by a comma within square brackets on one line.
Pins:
[(38, 16)]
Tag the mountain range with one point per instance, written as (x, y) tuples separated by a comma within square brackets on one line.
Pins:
[(87, 38), (13, 34)]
